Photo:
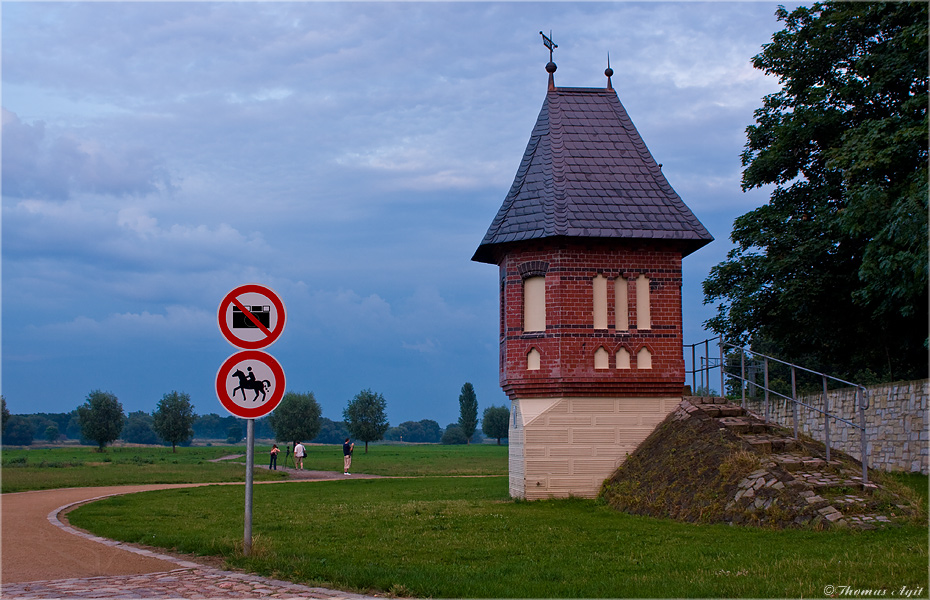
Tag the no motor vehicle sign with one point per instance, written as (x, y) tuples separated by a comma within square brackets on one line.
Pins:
[(251, 316)]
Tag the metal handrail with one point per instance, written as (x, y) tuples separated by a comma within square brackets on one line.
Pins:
[(708, 364)]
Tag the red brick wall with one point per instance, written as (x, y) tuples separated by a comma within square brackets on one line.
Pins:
[(568, 345)]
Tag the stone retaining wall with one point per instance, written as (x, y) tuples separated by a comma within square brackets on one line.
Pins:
[(896, 422)]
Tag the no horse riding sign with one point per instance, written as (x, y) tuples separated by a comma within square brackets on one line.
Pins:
[(250, 384)]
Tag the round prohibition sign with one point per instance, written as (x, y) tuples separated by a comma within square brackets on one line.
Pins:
[(250, 384), (251, 316)]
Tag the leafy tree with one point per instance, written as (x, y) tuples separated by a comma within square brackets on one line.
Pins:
[(263, 428), (832, 272), (423, 431), (366, 417), (331, 432), (5, 413), (173, 419), (138, 429), (296, 418), (52, 434), (234, 434), (101, 418), (39, 424), (43, 421), (18, 432), (495, 422), (454, 435), (468, 410), (73, 426)]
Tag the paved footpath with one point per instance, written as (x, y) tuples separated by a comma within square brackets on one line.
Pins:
[(44, 558)]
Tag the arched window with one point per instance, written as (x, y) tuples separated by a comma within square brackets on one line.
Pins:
[(534, 304), (643, 316), (623, 358), (600, 302), (533, 360), (621, 291), (644, 358), (601, 359)]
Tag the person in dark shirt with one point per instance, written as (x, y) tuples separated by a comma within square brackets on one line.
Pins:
[(347, 448)]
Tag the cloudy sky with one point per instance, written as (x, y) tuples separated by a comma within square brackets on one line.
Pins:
[(348, 155)]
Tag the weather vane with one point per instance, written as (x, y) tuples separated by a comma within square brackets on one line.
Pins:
[(548, 43)]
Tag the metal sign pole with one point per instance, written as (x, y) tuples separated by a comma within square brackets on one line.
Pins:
[(249, 470)]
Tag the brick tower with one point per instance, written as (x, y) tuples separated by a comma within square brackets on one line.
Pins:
[(589, 243)]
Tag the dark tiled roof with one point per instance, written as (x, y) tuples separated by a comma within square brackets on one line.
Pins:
[(587, 173)]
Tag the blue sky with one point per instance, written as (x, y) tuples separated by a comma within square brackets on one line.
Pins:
[(348, 155)]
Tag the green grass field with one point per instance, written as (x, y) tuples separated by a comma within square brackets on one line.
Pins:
[(463, 537), (399, 460), (427, 533), (82, 466)]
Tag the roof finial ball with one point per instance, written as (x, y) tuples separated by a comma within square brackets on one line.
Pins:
[(609, 73), (550, 66)]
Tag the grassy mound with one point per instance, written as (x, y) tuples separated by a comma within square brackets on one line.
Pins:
[(687, 469), (693, 468)]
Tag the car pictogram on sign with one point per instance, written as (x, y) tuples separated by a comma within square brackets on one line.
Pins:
[(251, 316)]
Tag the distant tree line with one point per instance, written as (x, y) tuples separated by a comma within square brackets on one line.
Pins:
[(101, 421)]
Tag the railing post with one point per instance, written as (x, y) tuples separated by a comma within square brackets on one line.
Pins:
[(864, 456), (765, 381), (826, 416), (742, 375), (693, 369), (794, 399), (706, 383), (703, 366), (722, 365)]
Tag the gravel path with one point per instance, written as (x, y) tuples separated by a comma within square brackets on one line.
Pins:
[(43, 557)]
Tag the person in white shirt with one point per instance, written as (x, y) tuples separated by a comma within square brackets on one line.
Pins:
[(299, 453)]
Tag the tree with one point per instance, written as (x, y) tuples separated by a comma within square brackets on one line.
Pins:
[(5, 413), (331, 432), (423, 431), (52, 434), (297, 418), (366, 418), (468, 410), (234, 434), (73, 426), (832, 272), (454, 435), (173, 419), (101, 418), (495, 422), (19, 431), (138, 429)]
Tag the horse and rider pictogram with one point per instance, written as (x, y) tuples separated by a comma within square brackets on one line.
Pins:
[(248, 382)]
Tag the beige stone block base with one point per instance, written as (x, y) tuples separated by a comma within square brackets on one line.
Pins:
[(569, 446)]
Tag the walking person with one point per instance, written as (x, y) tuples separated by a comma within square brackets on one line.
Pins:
[(299, 453), (274, 457), (347, 449)]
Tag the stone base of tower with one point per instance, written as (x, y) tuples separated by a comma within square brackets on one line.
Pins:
[(569, 446)]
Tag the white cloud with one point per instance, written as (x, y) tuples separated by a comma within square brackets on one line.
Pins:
[(176, 322), (36, 164)]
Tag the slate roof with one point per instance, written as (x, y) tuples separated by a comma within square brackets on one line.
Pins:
[(587, 173)]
